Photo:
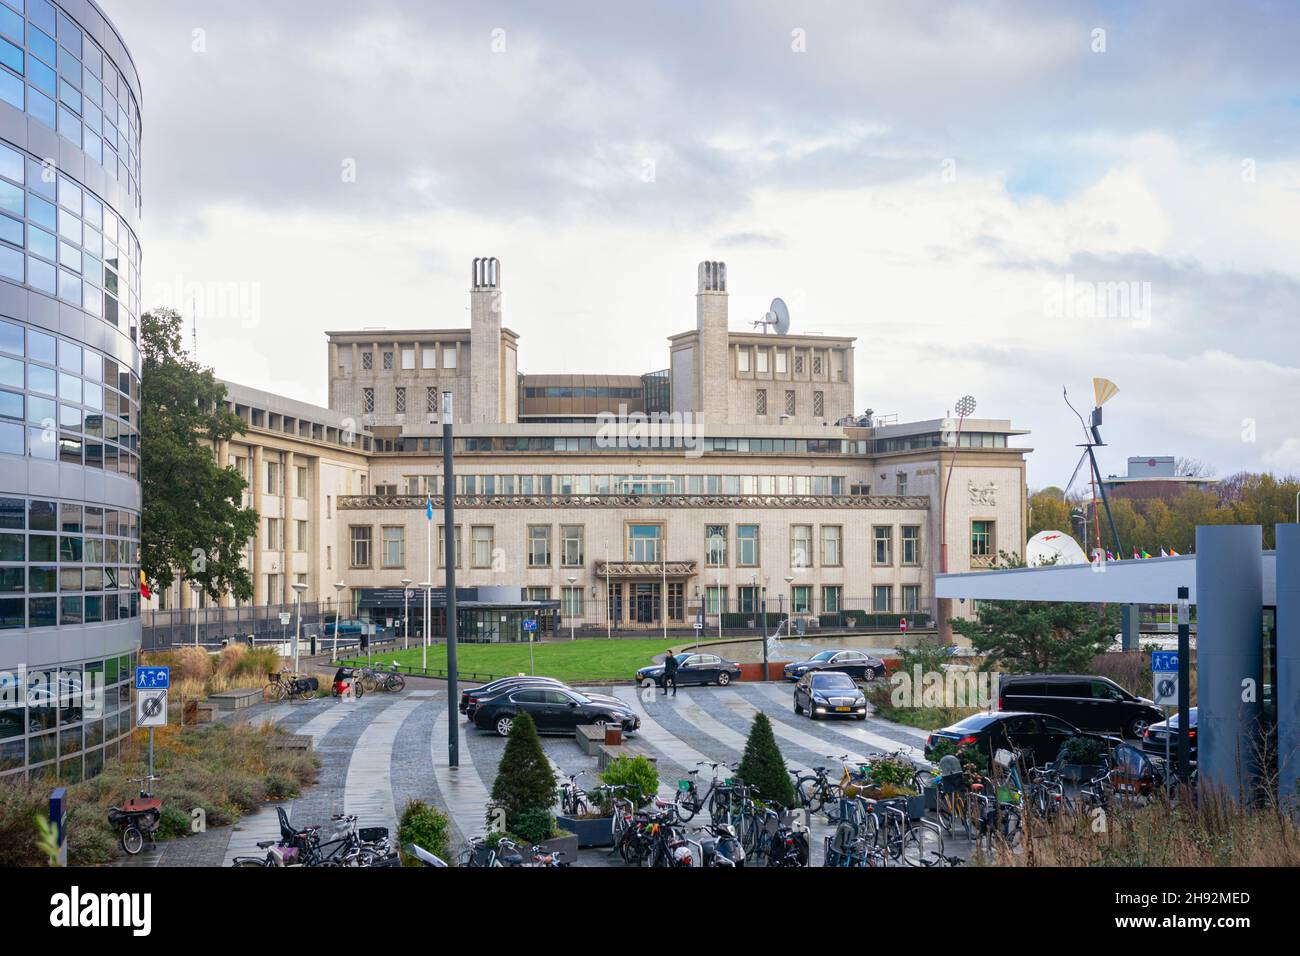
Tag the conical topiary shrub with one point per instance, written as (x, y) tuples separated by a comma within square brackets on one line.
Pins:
[(525, 785), (763, 766)]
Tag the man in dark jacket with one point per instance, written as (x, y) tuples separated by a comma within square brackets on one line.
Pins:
[(670, 673)]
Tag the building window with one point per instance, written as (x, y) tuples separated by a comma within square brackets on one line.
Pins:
[(431, 399), (760, 401), (643, 542), (388, 361), (801, 599), (394, 546), (399, 401), (911, 544), (367, 360), (747, 545), (761, 363), (368, 400), (676, 600), (831, 594), (408, 358), (831, 552), (715, 540), (301, 471), (789, 402), (273, 539), (571, 601), (798, 364), (428, 357), (301, 539), (780, 358), (819, 404), (801, 546), (982, 543), (571, 545), (359, 539), (742, 360), (442, 545), (911, 597), (539, 545), (883, 545), (882, 598), (449, 356), (817, 364), (715, 600), (484, 544), (538, 594), (901, 486), (748, 599), (273, 476)]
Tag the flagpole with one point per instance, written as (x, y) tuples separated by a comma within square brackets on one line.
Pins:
[(428, 565)]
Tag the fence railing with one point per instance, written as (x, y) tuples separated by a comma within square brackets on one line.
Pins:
[(217, 624)]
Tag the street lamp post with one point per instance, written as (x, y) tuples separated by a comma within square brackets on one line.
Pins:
[(298, 589), (197, 588), (338, 610), (449, 546), (424, 645), (572, 579), (406, 613)]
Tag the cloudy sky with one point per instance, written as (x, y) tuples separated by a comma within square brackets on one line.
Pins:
[(997, 199)]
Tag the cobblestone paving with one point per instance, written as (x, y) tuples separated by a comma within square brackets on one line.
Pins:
[(404, 755)]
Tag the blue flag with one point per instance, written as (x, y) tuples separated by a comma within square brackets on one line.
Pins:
[(428, 507)]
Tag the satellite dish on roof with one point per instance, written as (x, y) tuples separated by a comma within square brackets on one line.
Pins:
[(779, 316), (1053, 547)]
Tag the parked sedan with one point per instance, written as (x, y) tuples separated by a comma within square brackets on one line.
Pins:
[(348, 627), (1165, 733), (857, 664), (989, 732), (829, 694), (554, 710), (471, 695), (694, 669)]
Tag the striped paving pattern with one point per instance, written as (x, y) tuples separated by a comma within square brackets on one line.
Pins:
[(385, 749)]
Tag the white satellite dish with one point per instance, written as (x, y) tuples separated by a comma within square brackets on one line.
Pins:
[(1048, 545), (777, 318)]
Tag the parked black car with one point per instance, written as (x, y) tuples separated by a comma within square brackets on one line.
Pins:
[(508, 686), (829, 694), (694, 669), (1090, 703), (1154, 740), (857, 664), (553, 709), (988, 732), (471, 694)]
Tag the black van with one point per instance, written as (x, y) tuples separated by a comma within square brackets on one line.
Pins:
[(1090, 703)]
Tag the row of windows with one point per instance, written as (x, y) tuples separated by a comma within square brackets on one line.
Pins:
[(583, 391), (624, 484), (764, 361), (428, 359), (631, 442), (77, 248), (810, 545), (791, 403), (71, 86)]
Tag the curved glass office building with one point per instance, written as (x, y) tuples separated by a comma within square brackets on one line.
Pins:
[(69, 387)]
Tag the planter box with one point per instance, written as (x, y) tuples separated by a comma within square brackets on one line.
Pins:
[(931, 797), (596, 831), (566, 844)]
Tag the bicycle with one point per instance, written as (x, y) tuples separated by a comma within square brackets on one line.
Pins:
[(718, 798), (815, 790), (286, 686), (903, 838), (137, 818), (573, 799)]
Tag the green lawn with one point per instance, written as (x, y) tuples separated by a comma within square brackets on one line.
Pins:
[(573, 661)]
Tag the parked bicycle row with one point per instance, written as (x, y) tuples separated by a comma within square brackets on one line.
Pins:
[(348, 681), (341, 843)]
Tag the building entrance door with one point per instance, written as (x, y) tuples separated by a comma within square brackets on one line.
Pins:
[(645, 603)]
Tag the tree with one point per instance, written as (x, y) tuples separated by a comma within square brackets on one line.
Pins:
[(762, 765), (525, 783), (1049, 511), (1028, 637), (194, 519)]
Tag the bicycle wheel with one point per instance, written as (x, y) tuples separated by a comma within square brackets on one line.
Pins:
[(308, 695), (273, 691), (686, 809), (132, 839), (922, 843), (811, 796), (397, 683)]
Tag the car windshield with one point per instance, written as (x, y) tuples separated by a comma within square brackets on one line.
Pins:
[(833, 682), (580, 698), (974, 722), (682, 658), (824, 656)]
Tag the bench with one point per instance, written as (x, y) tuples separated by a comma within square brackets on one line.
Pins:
[(590, 738), (291, 742), (237, 699)]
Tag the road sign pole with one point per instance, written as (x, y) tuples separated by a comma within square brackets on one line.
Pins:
[(1184, 686)]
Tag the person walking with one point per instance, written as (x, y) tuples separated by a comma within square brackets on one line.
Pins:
[(670, 673)]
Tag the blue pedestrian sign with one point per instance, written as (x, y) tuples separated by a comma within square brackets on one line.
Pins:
[(530, 624), (153, 678), (1164, 661)]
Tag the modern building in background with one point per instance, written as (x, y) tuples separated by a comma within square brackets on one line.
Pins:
[(739, 477), (1155, 477), (69, 387)]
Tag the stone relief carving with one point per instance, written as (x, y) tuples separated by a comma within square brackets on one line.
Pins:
[(982, 493)]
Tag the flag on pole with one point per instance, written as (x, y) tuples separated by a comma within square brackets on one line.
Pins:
[(1173, 553), (144, 587), (1164, 553), (1136, 557), (428, 507), (1144, 553)]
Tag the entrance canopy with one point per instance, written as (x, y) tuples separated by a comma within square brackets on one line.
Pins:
[(1147, 581)]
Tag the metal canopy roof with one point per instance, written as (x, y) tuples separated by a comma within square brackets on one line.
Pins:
[(1148, 581)]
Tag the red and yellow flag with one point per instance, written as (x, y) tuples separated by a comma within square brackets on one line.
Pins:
[(144, 587)]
